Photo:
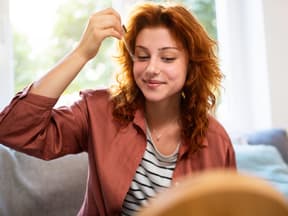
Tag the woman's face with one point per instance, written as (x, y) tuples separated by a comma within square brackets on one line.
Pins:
[(160, 65)]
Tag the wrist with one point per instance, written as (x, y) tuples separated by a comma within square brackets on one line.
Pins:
[(80, 56)]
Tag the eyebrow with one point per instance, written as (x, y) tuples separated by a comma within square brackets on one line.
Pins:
[(160, 49)]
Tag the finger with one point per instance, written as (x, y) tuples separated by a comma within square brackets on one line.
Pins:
[(115, 24), (108, 33), (115, 34), (111, 11), (109, 14), (106, 22)]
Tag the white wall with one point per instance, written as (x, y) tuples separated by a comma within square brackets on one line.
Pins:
[(6, 73), (251, 41), (276, 32)]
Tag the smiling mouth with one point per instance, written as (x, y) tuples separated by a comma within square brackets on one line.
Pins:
[(153, 83)]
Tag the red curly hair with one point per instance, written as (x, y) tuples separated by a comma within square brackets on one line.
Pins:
[(203, 75)]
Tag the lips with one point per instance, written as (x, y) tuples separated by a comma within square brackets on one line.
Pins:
[(153, 83)]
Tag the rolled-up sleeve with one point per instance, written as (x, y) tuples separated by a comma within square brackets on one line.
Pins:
[(31, 125), (230, 157)]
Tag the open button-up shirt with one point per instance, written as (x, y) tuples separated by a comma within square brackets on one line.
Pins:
[(31, 125)]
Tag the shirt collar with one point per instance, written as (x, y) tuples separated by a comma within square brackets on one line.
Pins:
[(139, 121)]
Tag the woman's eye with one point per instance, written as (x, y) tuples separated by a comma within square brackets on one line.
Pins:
[(168, 59), (142, 57)]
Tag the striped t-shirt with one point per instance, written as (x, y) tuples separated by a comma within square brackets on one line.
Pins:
[(153, 175)]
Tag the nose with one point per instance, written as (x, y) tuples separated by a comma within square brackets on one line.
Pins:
[(152, 66)]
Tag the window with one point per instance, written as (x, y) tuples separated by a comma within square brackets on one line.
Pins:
[(43, 35), (6, 74), (252, 54)]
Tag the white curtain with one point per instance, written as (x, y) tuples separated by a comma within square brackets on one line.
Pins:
[(6, 72), (246, 103)]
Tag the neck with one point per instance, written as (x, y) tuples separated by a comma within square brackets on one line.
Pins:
[(159, 114), (163, 122)]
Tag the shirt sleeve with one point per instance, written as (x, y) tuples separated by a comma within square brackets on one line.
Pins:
[(31, 125), (230, 157)]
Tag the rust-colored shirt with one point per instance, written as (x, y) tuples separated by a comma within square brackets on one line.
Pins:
[(30, 124)]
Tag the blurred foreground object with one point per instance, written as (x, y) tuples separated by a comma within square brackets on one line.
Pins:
[(219, 193)]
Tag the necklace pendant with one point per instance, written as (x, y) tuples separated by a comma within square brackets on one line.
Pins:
[(158, 138)]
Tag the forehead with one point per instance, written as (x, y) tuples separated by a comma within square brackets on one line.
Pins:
[(156, 37)]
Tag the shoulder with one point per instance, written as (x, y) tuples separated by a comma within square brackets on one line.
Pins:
[(216, 131), (95, 97), (96, 101), (92, 94)]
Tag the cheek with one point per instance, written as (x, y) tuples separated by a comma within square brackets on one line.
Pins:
[(178, 73), (136, 74), (137, 70)]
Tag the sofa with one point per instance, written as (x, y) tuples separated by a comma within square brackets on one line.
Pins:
[(30, 186), (264, 154)]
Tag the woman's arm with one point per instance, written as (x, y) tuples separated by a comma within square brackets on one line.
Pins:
[(31, 125), (102, 24)]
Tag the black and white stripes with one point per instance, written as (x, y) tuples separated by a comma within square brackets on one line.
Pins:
[(153, 175)]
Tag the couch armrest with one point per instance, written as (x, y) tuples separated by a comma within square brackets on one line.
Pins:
[(275, 137), (30, 186)]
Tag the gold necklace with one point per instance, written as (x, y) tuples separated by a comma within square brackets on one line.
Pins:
[(158, 136)]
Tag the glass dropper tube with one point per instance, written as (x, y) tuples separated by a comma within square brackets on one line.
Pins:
[(125, 43)]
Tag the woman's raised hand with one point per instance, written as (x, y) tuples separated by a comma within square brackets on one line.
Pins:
[(102, 24), (106, 23)]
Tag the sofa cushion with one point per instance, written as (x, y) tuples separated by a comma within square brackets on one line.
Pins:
[(275, 137), (265, 162), (30, 186)]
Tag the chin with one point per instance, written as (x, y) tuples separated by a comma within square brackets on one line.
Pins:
[(153, 98)]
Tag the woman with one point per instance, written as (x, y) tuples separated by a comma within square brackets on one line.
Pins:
[(146, 132)]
